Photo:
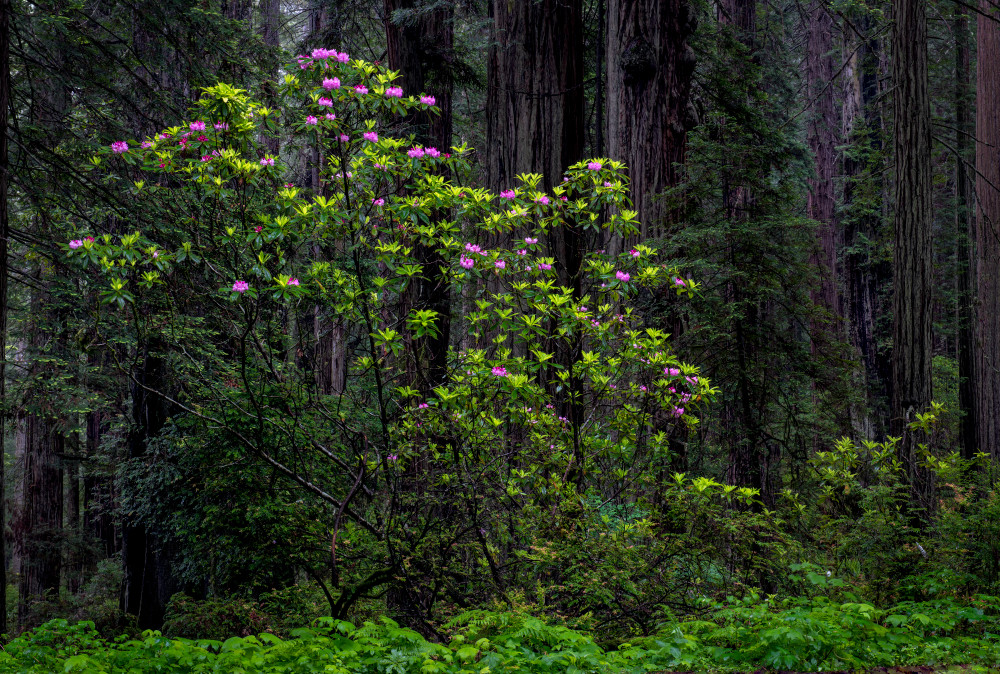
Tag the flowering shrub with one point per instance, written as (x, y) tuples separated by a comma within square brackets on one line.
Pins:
[(474, 376)]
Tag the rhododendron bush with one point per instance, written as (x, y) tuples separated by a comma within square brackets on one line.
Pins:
[(433, 361)]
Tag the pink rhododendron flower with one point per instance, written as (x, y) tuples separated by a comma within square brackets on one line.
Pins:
[(206, 157), (371, 136), (378, 202), (594, 165), (394, 92), (258, 229), (692, 380), (634, 253), (672, 371), (622, 276), (119, 147), (343, 56), (528, 240), (202, 139), (221, 126), (392, 457), (75, 243), (499, 264), (344, 138), (333, 83), (320, 53), (678, 412), (146, 144), (311, 120), (507, 194), (427, 100), (678, 281), (433, 152), (325, 102), (467, 262), (197, 126), (416, 152), (88, 239), (543, 266), (499, 371), (543, 200), (360, 89), (607, 184), (267, 161), (293, 281), (521, 252), (241, 286), (472, 248), (563, 198), (330, 116)]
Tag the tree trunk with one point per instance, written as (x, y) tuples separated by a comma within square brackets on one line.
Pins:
[(420, 43), (822, 128), (534, 100), (987, 323), (650, 68), (912, 256)]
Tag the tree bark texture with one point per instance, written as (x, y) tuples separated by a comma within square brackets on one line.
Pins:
[(421, 45), (650, 68), (534, 100), (822, 129), (913, 220), (987, 322)]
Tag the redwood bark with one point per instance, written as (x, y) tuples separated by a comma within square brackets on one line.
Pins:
[(987, 322), (822, 128), (5, 10), (534, 100), (650, 67), (912, 255)]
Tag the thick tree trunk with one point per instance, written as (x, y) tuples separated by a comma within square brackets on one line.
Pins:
[(987, 322), (912, 257), (650, 67), (40, 521), (822, 128), (421, 46), (534, 100)]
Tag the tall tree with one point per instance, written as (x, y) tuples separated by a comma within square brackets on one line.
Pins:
[(650, 67), (822, 131), (913, 219), (987, 322), (534, 101)]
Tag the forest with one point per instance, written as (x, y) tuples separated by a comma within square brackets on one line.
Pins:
[(499, 335)]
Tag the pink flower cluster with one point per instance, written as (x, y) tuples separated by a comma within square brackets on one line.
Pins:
[(360, 89), (499, 371), (622, 276), (241, 286), (507, 194), (293, 281), (119, 147), (371, 136), (594, 165), (394, 92), (427, 100), (415, 152), (543, 200), (325, 102), (378, 202), (467, 262), (311, 120), (329, 84), (197, 126), (75, 243), (267, 161)]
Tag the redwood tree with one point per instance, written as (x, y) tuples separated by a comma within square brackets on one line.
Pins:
[(987, 322), (913, 220)]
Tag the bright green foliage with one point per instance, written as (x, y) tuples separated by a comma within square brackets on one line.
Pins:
[(796, 634)]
